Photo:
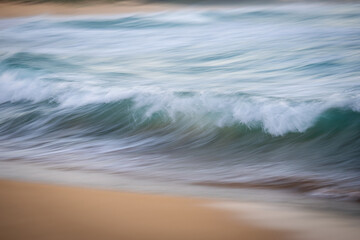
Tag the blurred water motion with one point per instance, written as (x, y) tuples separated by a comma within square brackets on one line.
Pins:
[(259, 96)]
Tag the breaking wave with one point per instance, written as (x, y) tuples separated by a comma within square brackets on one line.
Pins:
[(272, 101)]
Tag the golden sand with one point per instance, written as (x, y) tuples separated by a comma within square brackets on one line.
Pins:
[(41, 211), (8, 10)]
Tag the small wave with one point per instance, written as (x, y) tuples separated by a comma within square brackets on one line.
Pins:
[(276, 116), (323, 188), (262, 95)]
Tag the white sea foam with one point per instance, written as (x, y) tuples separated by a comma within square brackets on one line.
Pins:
[(276, 116)]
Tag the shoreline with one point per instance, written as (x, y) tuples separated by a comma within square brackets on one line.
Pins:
[(11, 10), (44, 211), (38, 194), (301, 219), (22, 9)]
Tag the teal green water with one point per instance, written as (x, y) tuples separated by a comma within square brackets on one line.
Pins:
[(259, 96)]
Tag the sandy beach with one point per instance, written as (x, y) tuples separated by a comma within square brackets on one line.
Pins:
[(41, 211), (9, 10), (189, 124)]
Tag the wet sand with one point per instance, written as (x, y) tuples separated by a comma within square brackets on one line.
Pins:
[(8, 10), (41, 211)]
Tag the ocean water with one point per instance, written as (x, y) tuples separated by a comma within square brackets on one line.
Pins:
[(254, 96)]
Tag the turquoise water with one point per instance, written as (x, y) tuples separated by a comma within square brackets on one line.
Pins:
[(256, 96)]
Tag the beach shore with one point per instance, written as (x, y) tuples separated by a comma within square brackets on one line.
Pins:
[(290, 205), (9, 10), (41, 211)]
